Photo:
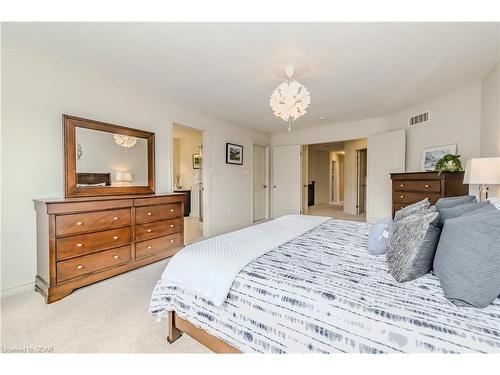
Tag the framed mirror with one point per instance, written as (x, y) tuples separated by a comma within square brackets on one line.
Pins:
[(106, 159)]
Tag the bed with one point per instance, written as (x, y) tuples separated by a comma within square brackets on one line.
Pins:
[(323, 292)]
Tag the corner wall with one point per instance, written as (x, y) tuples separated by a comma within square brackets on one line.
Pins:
[(490, 118), (37, 89)]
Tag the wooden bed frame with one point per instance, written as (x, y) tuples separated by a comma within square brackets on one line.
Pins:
[(177, 326)]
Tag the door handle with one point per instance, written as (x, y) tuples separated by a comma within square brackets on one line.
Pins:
[(274, 186), (265, 186)]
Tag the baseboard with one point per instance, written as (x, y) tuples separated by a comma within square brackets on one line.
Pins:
[(15, 290)]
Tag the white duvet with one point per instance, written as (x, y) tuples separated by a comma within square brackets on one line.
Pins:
[(208, 268)]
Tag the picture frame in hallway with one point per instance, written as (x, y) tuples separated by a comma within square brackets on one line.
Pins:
[(196, 161), (431, 155), (234, 154)]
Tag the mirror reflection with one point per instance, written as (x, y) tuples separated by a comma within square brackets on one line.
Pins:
[(107, 159)]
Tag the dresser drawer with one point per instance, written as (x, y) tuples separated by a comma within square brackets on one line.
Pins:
[(409, 198), (69, 247), (157, 229), (165, 244), (418, 186), (91, 221), (71, 268), (149, 214)]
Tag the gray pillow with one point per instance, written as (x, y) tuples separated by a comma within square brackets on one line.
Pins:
[(412, 245), (378, 236), (414, 208), (467, 260), (459, 210), (454, 201)]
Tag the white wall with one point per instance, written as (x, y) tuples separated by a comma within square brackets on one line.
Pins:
[(37, 89), (490, 118), (454, 118)]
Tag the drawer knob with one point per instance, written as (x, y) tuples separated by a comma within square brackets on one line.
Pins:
[(172, 241), (171, 210), (401, 196), (427, 186), (79, 245), (149, 214), (115, 218), (149, 230), (172, 225), (115, 237), (80, 266), (115, 256), (402, 185), (149, 246), (79, 223)]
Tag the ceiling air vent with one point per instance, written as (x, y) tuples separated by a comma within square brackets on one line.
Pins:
[(418, 119)]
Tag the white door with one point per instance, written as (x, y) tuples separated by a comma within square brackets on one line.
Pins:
[(259, 182), (286, 180), (386, 155)]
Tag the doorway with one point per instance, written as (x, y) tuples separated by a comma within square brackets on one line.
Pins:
[(188, 178), (361, 158), (332, 179), (260, 178)]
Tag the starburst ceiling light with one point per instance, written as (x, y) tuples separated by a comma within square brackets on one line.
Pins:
[(290, 100), (125, 140)]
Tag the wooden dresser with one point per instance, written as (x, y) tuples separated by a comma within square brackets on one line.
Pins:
[(84, 240), (408, 188)]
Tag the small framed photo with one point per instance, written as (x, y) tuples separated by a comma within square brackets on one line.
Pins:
[(234, 154), (196, 161), (431, 155)]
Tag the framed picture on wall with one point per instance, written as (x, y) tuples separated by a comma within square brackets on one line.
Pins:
[(196, 161), (234, 154), (431, 155)]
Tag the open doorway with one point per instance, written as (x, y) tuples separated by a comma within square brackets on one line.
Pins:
[(188, 178), (332, 175)]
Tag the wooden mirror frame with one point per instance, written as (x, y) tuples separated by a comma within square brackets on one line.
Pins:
[(69, 131)]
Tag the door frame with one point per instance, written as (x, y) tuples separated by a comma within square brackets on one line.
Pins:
[(359, 152), (267, 179), (205, 162)]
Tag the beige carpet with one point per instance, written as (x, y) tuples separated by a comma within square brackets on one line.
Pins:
[(110, 316), (335, 211)]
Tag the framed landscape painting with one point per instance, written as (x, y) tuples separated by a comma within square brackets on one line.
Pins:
[(234, 154), (431, 155)]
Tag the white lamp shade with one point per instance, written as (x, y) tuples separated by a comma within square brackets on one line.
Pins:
[(482, 171), (123, 176)]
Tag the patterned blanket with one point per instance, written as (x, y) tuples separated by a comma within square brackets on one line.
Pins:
[(323, 292)]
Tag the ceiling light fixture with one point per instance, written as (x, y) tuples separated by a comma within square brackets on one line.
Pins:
[(290, 100), (124, 140)]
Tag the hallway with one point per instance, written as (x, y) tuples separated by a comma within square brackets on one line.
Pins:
[(335, 211)]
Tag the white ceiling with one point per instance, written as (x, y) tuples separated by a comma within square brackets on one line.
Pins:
[(353, 70)]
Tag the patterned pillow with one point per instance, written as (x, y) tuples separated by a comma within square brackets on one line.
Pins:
[(412, 245), (414, 208)]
